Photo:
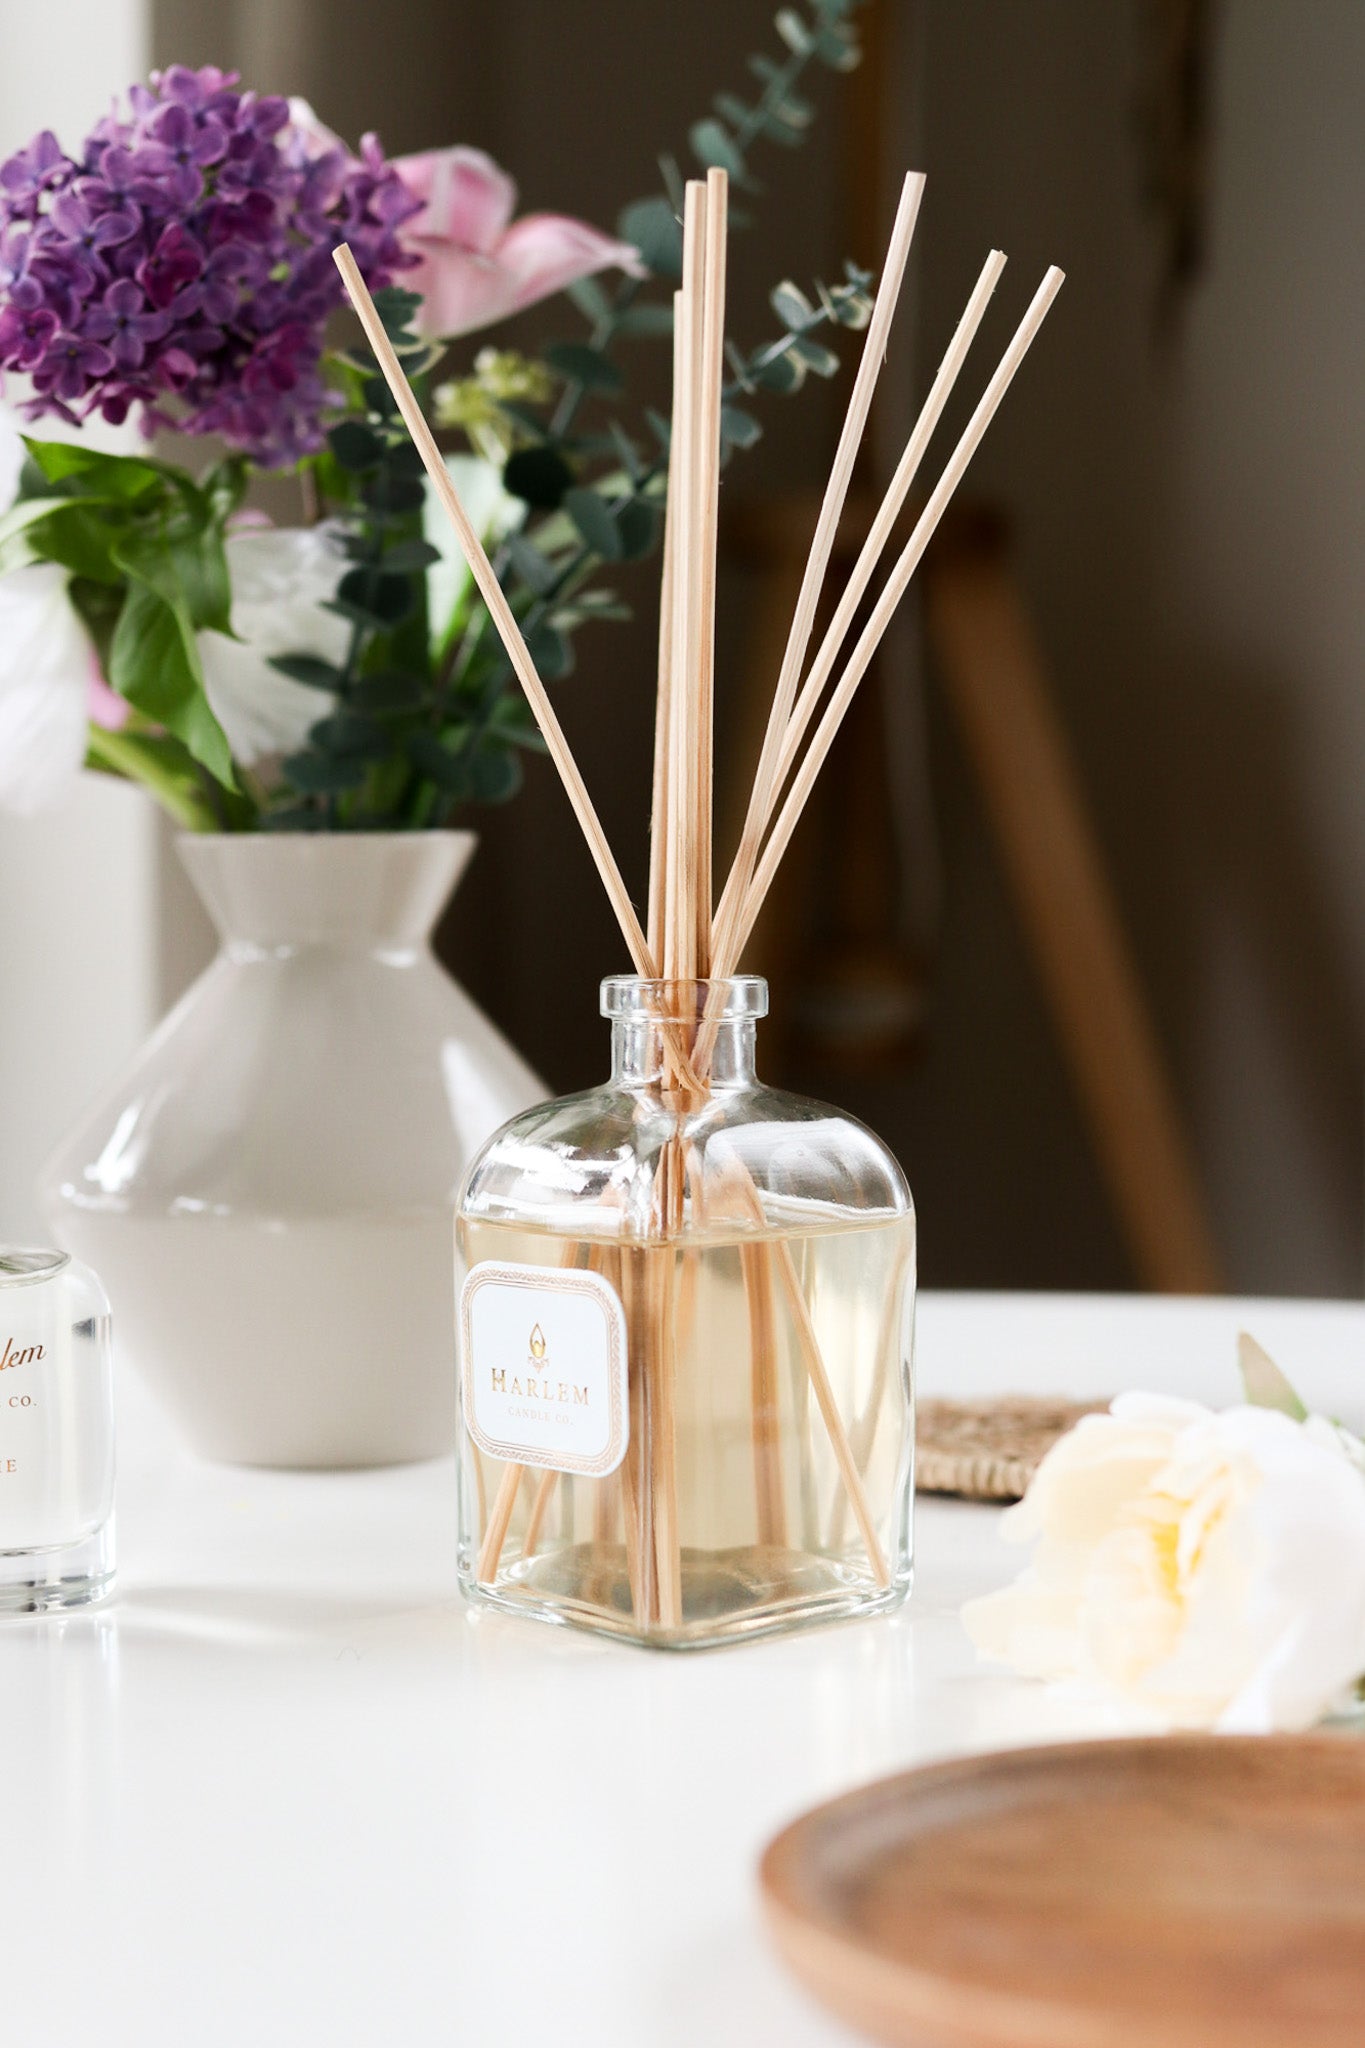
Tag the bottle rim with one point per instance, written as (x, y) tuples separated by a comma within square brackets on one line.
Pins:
[(22, 1265), (732, 999)]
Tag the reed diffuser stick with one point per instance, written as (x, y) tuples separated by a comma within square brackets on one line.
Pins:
[(895, 588), (707, 460), (874, 547), (822, 544), (663, 704)]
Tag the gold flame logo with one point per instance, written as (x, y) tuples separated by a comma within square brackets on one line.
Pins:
[(538, 1346)]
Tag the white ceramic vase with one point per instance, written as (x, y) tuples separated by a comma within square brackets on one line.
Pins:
[(267, 1191)]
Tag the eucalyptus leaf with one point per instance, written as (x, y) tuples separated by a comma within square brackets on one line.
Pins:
[(309, 669), (392, 494), (551, 652), (791, 306), (580, 364), (638, 524), (449, 770), (815, 356), (651, 319), (595, 522), (538, 574), (495, 777), (739, 429), (590, 299), (712, 143), (355, 446), (388, 691), (794, 32), (404, 557), (352, 734), (323, 774), (373, 595), (656, 232)]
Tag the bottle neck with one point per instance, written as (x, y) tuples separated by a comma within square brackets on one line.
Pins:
[(644, 1052)]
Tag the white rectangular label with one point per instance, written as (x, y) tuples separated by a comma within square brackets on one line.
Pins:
[(543, 1365)]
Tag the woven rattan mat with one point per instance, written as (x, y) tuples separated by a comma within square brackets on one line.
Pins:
[(989, 1450)]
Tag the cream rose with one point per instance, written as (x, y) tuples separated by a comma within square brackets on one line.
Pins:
[(1208, 1569)]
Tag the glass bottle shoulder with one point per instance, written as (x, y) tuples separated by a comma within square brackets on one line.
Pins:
[(749, 1157)]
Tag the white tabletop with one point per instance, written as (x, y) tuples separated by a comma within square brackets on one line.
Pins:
[(286, 1789)]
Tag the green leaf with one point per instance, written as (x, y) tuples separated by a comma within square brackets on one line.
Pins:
[(391, 494), (113, 476), (187, 568), (627, 451), (389, 690), (638, 525), (536, 572), (590, 299), (739, 429), (224, 487), (838, 47), (374, 596), (163, 767), (495, 777), (791, 306), (595, 522), (815, 356), (323, 774), (647, 320), (713, 144), (794, 32), (733, 109), (579, 364), (1265, 1385), (355, 446), (782, 372), (656, 232), (81, 537), (396, 309), (406, 556), (154, 663), (309, 669), (351, 734), (449, 770), (539, 476), (551, 652)]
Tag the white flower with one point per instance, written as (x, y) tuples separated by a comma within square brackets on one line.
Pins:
[(280, 578), (493, 513), (46, 665), (1207, 1569)]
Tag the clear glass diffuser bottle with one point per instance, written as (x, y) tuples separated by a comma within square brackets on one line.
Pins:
[(56, 1434), (686, 1316)]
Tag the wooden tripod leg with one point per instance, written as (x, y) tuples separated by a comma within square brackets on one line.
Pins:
[(998, 686)]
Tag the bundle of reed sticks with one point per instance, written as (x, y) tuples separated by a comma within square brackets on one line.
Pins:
[(688, 935)]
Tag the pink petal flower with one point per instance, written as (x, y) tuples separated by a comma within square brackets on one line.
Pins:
[(104, 706), (469, 201), (474, 267)]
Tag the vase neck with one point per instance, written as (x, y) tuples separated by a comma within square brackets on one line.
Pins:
[(373, 891)]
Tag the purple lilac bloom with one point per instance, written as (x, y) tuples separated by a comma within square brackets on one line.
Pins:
[(185, 257)]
